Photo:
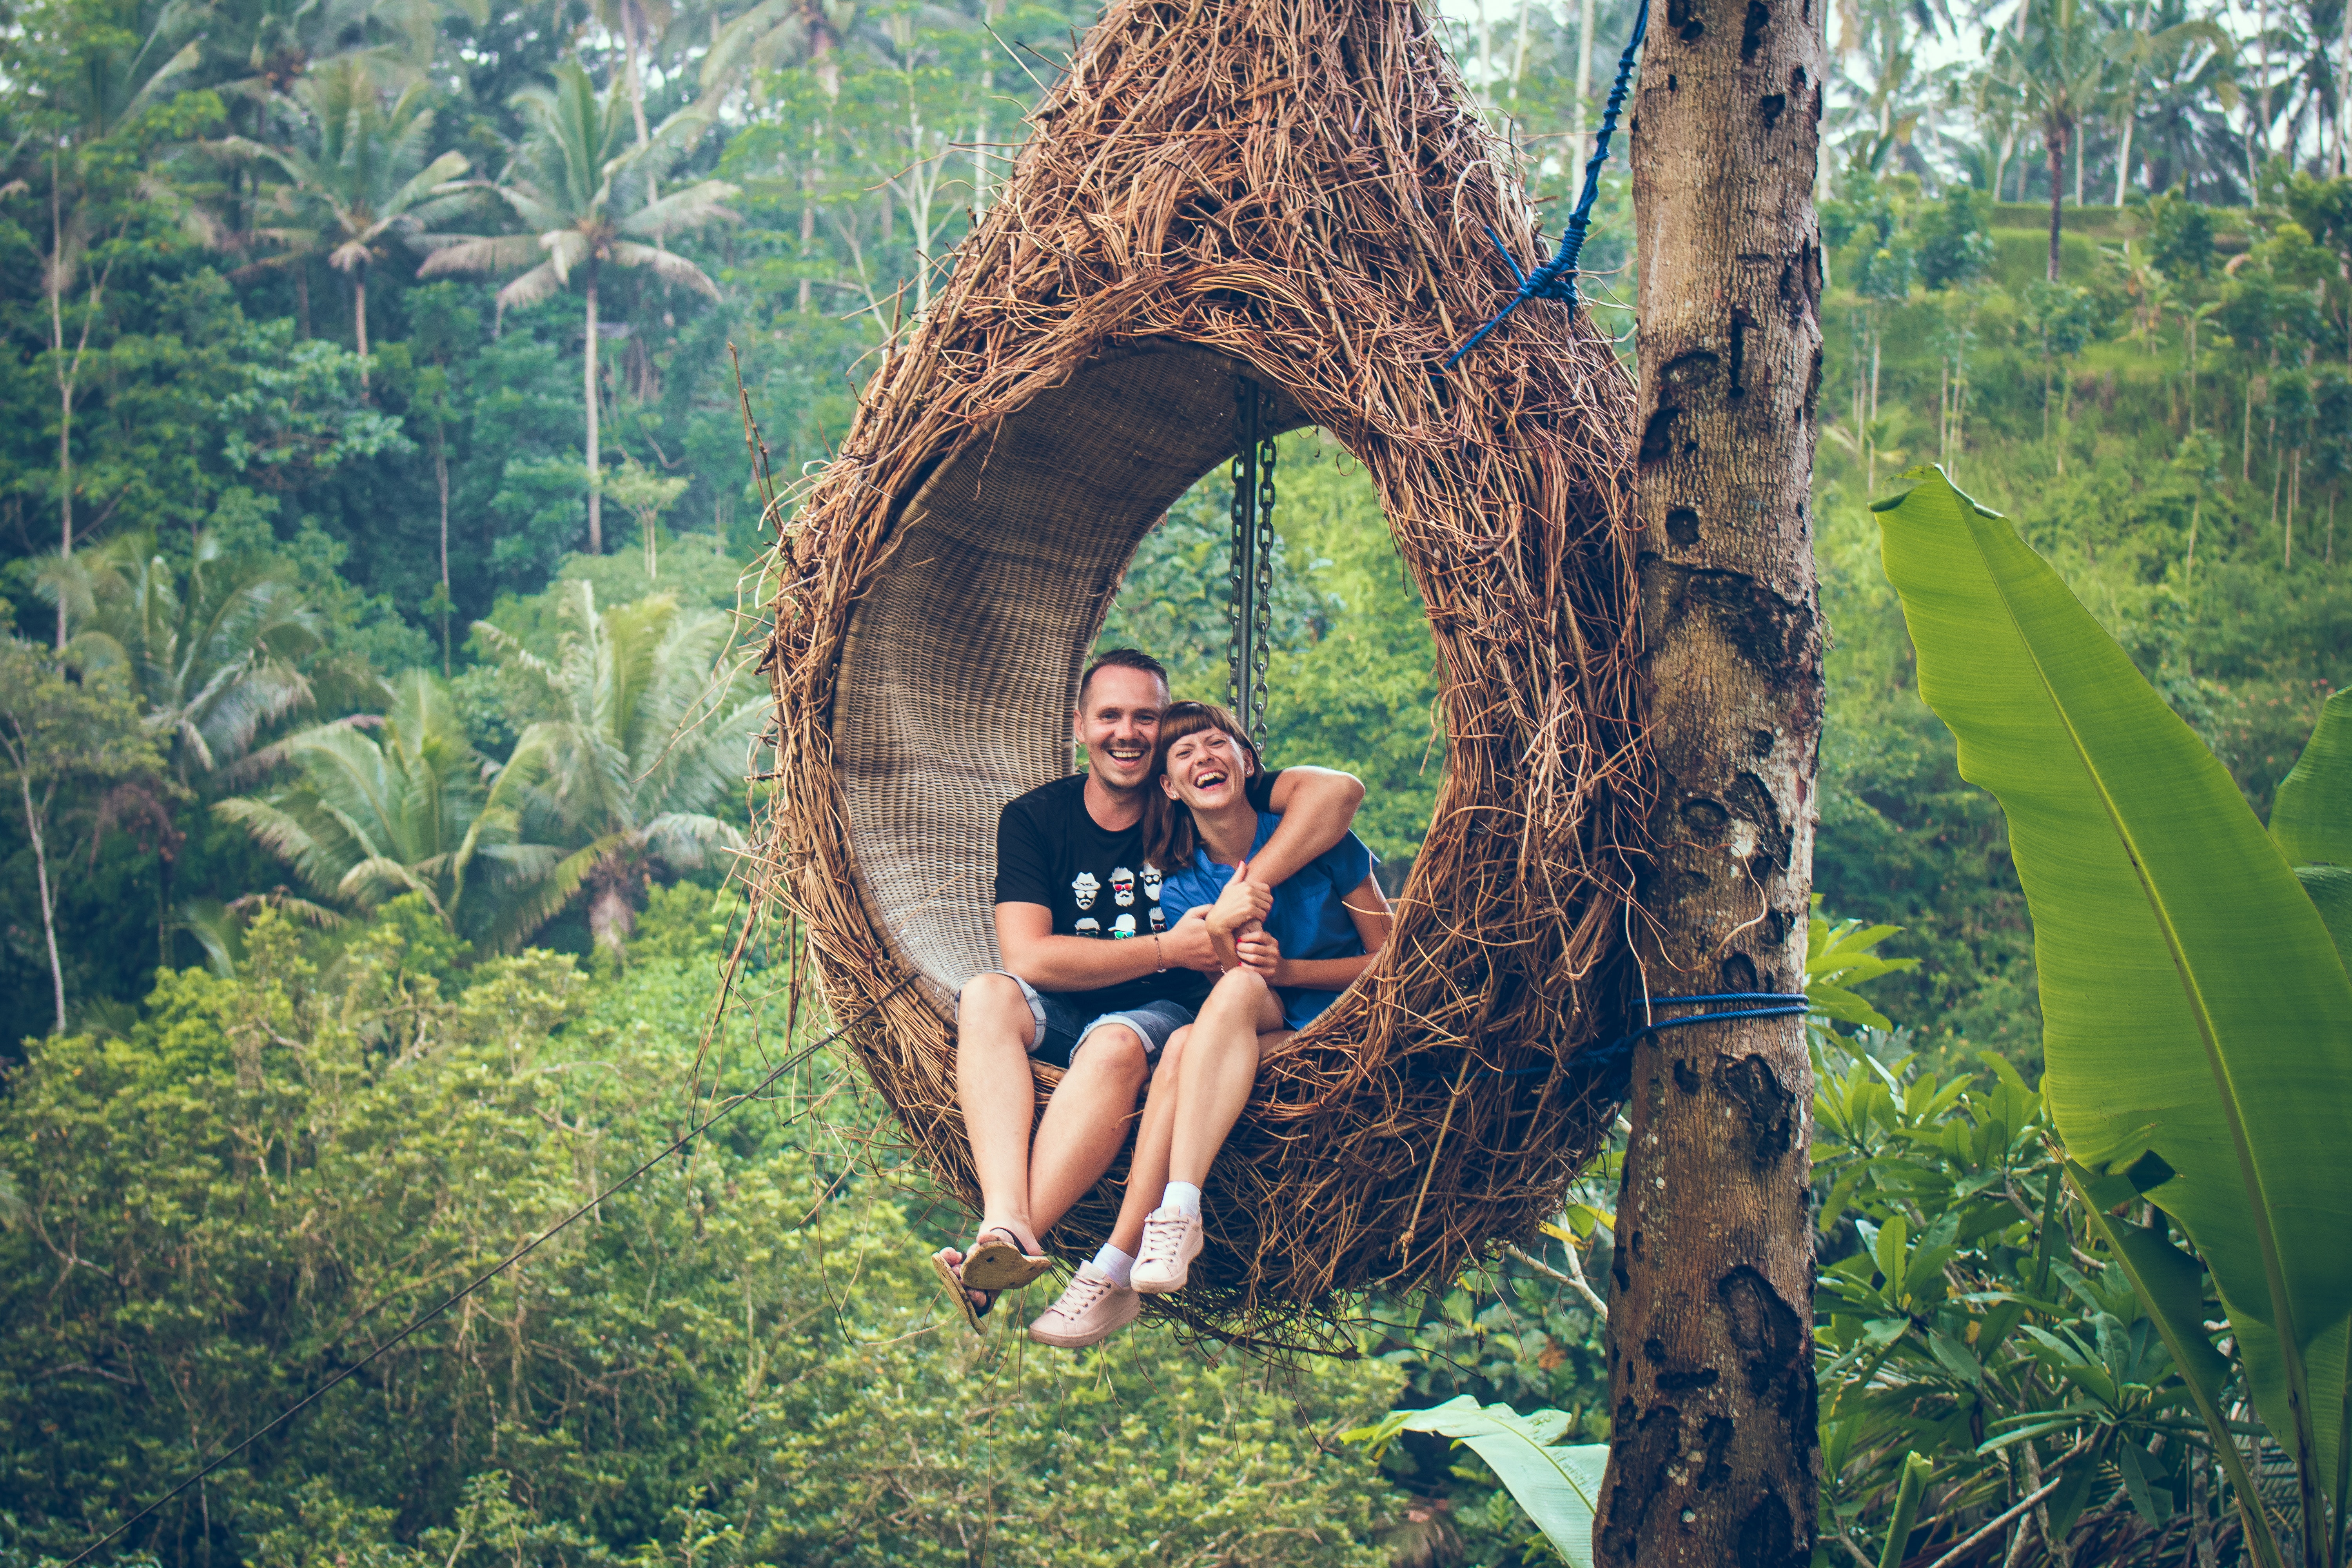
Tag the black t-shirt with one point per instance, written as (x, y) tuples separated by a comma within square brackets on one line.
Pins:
[(1050, 851)]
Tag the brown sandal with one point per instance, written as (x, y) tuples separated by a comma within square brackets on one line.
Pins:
[(993, 1265), (951, 1275)]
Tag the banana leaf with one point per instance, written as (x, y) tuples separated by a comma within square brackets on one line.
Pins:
[(2198, 1022), (1558, 1485), (2311, 819)]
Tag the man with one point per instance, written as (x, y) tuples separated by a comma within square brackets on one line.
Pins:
[(1097, 976)]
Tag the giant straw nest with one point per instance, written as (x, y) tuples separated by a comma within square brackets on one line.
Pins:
[(1291, 190)]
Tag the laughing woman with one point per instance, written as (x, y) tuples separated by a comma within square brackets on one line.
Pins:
[(1289, 951)]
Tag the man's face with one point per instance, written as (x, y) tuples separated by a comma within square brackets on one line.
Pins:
[(1118, 718)]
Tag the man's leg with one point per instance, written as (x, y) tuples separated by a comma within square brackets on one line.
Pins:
[(994, 1028), (1088, 1118)]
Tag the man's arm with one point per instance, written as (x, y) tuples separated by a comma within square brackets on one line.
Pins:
[(1025, 934), (1317, 806)]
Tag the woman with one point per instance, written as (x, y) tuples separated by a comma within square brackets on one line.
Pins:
[(1289, 951)]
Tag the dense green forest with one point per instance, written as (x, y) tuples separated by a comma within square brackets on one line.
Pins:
[(382, 575)]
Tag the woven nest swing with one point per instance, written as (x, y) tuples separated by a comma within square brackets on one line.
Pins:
[(1290, 192)]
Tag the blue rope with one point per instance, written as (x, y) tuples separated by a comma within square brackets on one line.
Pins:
[(1556, 278), (1790, 1004)]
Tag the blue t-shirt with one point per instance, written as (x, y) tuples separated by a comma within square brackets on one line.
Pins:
[(1309, 919)]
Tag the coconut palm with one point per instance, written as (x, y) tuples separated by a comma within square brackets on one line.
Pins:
[(210, 648), (363, 186), (2059, 62), (640, 727), (411, 809), (76, 105), (586, 199)]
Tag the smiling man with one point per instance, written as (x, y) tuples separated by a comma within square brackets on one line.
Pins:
[(1096, 976)]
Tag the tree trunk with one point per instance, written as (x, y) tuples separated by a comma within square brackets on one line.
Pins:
[(595, 458), (2123, 158), (2053, 140), (358, 315), (34, 816), (1583, 77), (441, 478), (1714, 1457)]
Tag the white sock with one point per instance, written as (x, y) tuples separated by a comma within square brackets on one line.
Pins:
[(1181, 1197), (1118, 1265)]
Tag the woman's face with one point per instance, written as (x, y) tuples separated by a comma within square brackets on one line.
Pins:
[(1206, 769)]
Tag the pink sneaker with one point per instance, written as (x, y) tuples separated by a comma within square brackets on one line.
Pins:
[(1170, 1242), (1091, 1310)]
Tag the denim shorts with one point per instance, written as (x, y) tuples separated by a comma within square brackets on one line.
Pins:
[(1065, 1021)]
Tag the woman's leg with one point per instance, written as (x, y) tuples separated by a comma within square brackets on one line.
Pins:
[(1218, 1071), (1146, 1173)]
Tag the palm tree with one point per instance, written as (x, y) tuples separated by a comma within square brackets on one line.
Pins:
[(210, 652), (2058, 62), (413, 809), (640, 727), (586, 199), (126, 57), (363, 185)]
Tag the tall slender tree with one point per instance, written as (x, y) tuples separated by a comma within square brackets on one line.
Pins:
[(2058, 62), (1714, 1456), (360, 186), (104, 66), (585, 198)]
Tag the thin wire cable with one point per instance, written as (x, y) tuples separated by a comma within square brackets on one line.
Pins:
[(501, 1266)]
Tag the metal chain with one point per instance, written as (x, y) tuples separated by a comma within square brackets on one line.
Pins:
[(1262, 650)]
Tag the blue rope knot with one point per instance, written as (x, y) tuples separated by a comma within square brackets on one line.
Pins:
[(1556, 278)]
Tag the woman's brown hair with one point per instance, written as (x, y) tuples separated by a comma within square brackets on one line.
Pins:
[(1169, 837)]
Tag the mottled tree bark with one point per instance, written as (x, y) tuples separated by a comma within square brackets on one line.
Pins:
[(1714, 1457)]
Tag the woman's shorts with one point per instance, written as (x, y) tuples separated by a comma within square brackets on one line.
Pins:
[(1066, 1019)]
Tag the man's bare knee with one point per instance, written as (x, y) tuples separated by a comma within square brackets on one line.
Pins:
[(993, 1006), (1113, 1051)]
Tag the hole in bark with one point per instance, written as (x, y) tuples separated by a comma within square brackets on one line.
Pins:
[(1739, 352), (1739, 972), (1653, 1351), (1641, 1466), (1704, 817), (1768, 1536), (1751, 33), (1682, 525), (1773, 104), (1771, 1110), (1679, 1382), (1716, 1436), (1657, 436), (1686, 1079), (1761, 741)]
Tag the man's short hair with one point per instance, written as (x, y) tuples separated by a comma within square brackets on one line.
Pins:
[(1122, 658)]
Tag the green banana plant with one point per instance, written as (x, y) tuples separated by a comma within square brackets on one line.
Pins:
[(1558, 1484), (2198, 1018)]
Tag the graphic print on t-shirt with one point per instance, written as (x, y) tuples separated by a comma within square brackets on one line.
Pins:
[(1051, 852)]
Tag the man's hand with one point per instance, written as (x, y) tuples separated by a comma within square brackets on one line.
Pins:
[(1188, 945), (1260, 952)]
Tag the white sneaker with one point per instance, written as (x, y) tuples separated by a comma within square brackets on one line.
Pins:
[(1170, 1241), (1092, 1309)]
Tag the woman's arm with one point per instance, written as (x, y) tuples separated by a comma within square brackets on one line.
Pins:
[(1369, 908)]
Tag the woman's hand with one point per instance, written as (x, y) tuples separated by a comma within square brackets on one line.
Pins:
[(1242, 905), (1260, 952)]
